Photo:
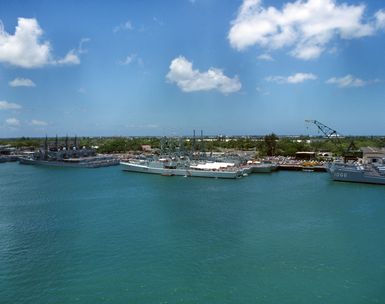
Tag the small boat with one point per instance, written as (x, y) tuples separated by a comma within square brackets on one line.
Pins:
[(261, 167)]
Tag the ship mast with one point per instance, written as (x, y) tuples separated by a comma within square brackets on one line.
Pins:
[(203, 146), (46, 148), (193, 145), (66, 142), (56, 144)]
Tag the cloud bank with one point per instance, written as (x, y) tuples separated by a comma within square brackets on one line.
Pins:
[(305, 27)]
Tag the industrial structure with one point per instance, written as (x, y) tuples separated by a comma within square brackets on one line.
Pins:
[(352, 153)]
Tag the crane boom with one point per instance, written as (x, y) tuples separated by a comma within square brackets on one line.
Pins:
[(327, 131), (351, 153)]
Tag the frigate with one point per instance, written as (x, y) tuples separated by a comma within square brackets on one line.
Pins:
[(358, 173)]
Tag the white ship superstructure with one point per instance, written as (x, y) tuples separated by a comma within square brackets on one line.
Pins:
[(169, 167)]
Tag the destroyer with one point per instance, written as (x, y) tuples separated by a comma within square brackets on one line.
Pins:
[(372, 174)]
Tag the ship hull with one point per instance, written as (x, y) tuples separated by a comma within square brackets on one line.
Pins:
[(354, 175), (180, 171), (262, 168), (96, 164)]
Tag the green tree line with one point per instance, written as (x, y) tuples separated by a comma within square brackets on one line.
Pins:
[(270, 144)]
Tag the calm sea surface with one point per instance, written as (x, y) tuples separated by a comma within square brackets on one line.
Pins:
[(107, 236)]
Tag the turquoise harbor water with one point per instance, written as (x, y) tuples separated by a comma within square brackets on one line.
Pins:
[(107, 236)]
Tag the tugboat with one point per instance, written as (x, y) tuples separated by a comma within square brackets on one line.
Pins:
[(68, 156)]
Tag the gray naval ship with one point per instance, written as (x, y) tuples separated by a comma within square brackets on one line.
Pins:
[(68, 155), (177, 159), (358, 173), (183, 167)]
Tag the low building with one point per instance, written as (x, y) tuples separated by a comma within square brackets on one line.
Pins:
[(7, 150), (146, 148), (325, 154), (372, 155), (305, 155)]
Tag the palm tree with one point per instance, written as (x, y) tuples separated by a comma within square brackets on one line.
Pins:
[(271, 144)]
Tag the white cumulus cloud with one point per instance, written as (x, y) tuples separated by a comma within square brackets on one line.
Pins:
[(71, 58), (190, 80), (82, 90), (36, 122), (22, 82), (12, 122), (348, 81), (126, 26), (265, 57), (130, 59), (380, 19), (305, 27), (5, 105), (293, 79), (26, 49)]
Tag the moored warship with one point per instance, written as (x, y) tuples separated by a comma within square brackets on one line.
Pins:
[(68, 155), (178, 167), (358, 173), (177, 159)]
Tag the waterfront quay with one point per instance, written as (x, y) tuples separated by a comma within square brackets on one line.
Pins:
[(289, 153), (284, 163)]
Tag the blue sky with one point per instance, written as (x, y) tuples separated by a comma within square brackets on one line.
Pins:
[(168, 67)]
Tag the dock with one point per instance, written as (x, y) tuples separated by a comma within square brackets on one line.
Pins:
[(299, 167)]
